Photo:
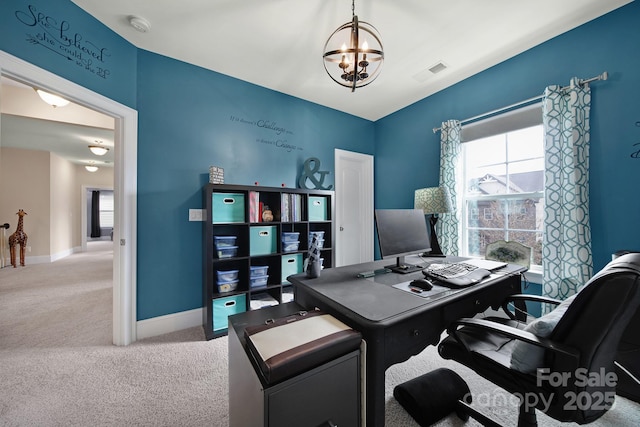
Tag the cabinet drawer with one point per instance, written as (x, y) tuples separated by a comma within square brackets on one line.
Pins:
[(227, 207), (328, 393), (317, 208), (412, 335), (263, 240), (291, 264), (225, 307), (481, 300)]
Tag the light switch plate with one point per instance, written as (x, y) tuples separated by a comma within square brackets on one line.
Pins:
[(196, 215)]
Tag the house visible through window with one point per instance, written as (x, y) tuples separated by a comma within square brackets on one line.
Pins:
[(503, 190), (106, 209)]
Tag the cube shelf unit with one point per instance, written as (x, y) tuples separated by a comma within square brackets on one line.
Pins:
[(235, 211)]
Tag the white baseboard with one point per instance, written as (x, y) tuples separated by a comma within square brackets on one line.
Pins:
[(45, 259), (65, 253), (168, 323)]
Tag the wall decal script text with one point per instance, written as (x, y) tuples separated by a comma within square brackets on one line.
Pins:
[(272, 126), (264, 124), (636, 153), (56, 36)]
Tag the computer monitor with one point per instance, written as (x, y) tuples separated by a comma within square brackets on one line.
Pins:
[(402, 232)]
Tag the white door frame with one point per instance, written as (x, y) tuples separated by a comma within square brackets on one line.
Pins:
[(125, 183), (366, 200)]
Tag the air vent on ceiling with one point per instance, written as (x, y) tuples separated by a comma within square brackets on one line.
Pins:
[(437, 68), (429, 72)]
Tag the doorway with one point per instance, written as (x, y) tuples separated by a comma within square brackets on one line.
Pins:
[(125, 183), (354, 207)]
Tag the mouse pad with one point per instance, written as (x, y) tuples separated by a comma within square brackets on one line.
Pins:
[(436, 292)]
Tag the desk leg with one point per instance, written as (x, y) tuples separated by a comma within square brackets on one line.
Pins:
[(375, 386)]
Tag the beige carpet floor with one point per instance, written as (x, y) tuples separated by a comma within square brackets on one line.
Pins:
[(58, 367)]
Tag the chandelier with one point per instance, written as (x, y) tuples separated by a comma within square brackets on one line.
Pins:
[(353, 53)]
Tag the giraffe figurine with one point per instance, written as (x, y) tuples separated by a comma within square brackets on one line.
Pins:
[(18, 238)]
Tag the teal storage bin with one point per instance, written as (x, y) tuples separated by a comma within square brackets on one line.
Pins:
[(263, 240), (317, 208), (227, 207), (225, 307), (291, 264)]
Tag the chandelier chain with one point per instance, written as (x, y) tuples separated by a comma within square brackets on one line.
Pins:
[(353, 8)]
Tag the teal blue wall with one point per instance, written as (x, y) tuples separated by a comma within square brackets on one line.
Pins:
[(185, 125), (408, 150), (191, 118)]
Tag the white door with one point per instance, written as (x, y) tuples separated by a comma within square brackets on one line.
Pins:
[(354, 208)]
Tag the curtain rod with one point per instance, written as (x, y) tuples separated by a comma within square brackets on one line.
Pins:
[(603, 76)]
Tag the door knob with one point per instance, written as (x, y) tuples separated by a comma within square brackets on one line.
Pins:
[(341, 228)]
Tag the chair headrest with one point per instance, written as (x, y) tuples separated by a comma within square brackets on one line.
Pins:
[(630, 260)]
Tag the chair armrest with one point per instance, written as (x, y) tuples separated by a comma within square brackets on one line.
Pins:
[(510, 332), (515, 298)]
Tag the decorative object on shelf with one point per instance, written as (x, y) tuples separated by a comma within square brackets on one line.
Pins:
[(267, 215), (216, 175), (19, 237), (353, 54), (313, 264), (311, 172), (434, 201)]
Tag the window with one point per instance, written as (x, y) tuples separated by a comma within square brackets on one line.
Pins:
[(503, 190), (106, 209)]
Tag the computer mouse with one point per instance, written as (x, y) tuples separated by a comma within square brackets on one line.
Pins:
[(423, 284)]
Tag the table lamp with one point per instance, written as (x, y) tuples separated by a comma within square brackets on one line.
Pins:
[(434, 201)]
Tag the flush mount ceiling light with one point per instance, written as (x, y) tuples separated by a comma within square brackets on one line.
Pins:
[(353, 53), (51, 99), (98, 150), (91, 168)]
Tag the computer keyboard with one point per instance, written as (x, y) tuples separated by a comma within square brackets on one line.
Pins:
[(449, 271), (456, 275)]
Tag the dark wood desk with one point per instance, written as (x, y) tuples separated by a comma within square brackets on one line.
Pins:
[(396, 324)]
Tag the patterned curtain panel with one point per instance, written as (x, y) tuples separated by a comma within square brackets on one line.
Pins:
[(566, 255), (447, 226)]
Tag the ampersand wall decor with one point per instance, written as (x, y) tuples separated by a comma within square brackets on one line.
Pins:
[(311, 172)]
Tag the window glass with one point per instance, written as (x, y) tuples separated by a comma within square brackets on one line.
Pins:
[(523, 144), (106, 209), (504, 191)]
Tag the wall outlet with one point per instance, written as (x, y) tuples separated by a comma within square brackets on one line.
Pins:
[(196, 214)]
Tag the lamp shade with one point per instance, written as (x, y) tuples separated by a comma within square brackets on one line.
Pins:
[(433, 200)]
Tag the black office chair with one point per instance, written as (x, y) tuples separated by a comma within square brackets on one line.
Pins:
[(581, 347)]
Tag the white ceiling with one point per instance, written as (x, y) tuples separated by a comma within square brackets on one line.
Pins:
[(278, 43), (29, 123)]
